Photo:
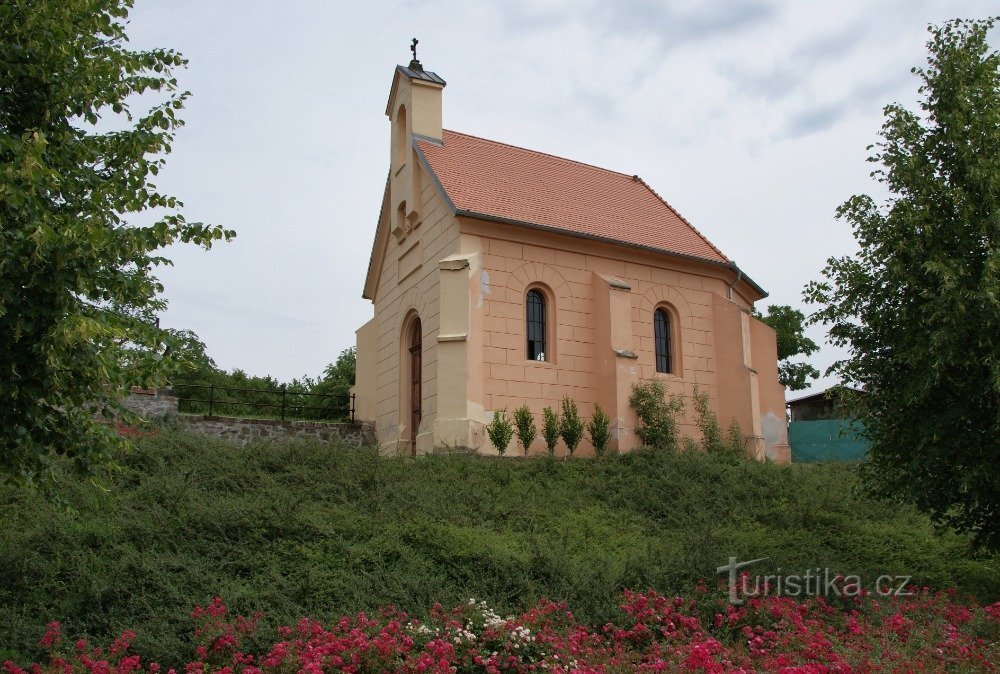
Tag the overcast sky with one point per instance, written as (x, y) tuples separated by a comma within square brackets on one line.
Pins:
[(751, 118)]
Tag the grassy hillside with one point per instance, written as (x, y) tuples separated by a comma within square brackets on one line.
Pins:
[(304, 529)]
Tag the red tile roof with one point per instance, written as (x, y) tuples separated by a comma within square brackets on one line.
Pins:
[(495, 180)]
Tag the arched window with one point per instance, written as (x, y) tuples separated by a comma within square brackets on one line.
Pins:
[(662, 338), (535, 315)]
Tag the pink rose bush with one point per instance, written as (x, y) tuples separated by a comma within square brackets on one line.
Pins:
[(927, 631)]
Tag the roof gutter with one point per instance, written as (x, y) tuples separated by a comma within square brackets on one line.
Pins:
[(603, 239)]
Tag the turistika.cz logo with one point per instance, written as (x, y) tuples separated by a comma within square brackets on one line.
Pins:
[(818, 582)]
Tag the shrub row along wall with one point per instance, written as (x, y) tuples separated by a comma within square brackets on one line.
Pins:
[(161, 405)]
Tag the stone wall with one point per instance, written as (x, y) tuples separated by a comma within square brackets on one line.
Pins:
[(249, 430), (161, 405), (151, 404)]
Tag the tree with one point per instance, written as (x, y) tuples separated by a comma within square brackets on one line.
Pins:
[(789, 326), (918, 307), (599, 430), (524, 420), (338, 377), (500, 431), (78, 297), (550, 429), (570, 425)]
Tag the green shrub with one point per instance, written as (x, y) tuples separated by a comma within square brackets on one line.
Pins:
[(657, 415), (299, 529), (550, 429), (570, 426), (524, 421), (735, 440), (599, 429), (708, 423), (500, 431)]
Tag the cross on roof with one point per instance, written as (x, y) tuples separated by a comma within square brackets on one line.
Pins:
[(414, 63)]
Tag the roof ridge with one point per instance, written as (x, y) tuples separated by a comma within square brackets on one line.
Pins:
[(686, 221), (539, 152)]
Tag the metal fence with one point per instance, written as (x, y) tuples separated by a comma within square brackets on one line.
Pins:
[(264, 402)]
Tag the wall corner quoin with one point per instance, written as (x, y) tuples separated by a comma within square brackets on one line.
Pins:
[(464, 435)]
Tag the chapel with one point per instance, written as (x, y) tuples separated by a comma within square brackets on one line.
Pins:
[(503, 276)]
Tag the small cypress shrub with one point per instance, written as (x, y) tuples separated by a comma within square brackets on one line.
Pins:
[(500, 431), (571, 426), (599, 430), (524, 421), (550, 429), (657, 415)]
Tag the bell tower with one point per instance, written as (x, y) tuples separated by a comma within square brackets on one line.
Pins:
[(414, 109)]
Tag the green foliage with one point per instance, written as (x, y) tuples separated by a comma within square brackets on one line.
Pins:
[(599, 430), (708, 423), (524, 420), (735, 440), (78, 297), (304, 529), (550, 429), (789, 326), (500, 431), (732, 444), (690, 445), (570, 425), (338, 377), (657, 415), (263, 394), (918, 307)]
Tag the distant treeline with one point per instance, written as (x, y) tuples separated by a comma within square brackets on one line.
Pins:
[(326, 397)]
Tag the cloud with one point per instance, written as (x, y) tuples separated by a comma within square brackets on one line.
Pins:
[(675, 26), (823, 48), (670, 23), (793, 68), (816, 119)]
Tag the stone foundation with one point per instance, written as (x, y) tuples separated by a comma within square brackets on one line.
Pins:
[(161, 405), (249, 430), (151, 404)]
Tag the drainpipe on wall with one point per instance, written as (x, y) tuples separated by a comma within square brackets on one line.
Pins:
[(739, 277)]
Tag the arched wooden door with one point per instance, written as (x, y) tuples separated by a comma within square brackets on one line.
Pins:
[(416, 394)]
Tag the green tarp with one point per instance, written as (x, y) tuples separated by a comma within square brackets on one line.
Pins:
[(827, 440)]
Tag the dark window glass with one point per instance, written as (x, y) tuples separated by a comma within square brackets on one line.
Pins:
[(535, 314), (661, 333)]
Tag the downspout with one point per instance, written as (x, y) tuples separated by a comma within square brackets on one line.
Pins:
[(739, 277)]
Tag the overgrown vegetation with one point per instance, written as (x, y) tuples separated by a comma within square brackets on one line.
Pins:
[(732, 445), (302, 529), (324, 398), (79, 151), (657, 414), (917, 308)]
